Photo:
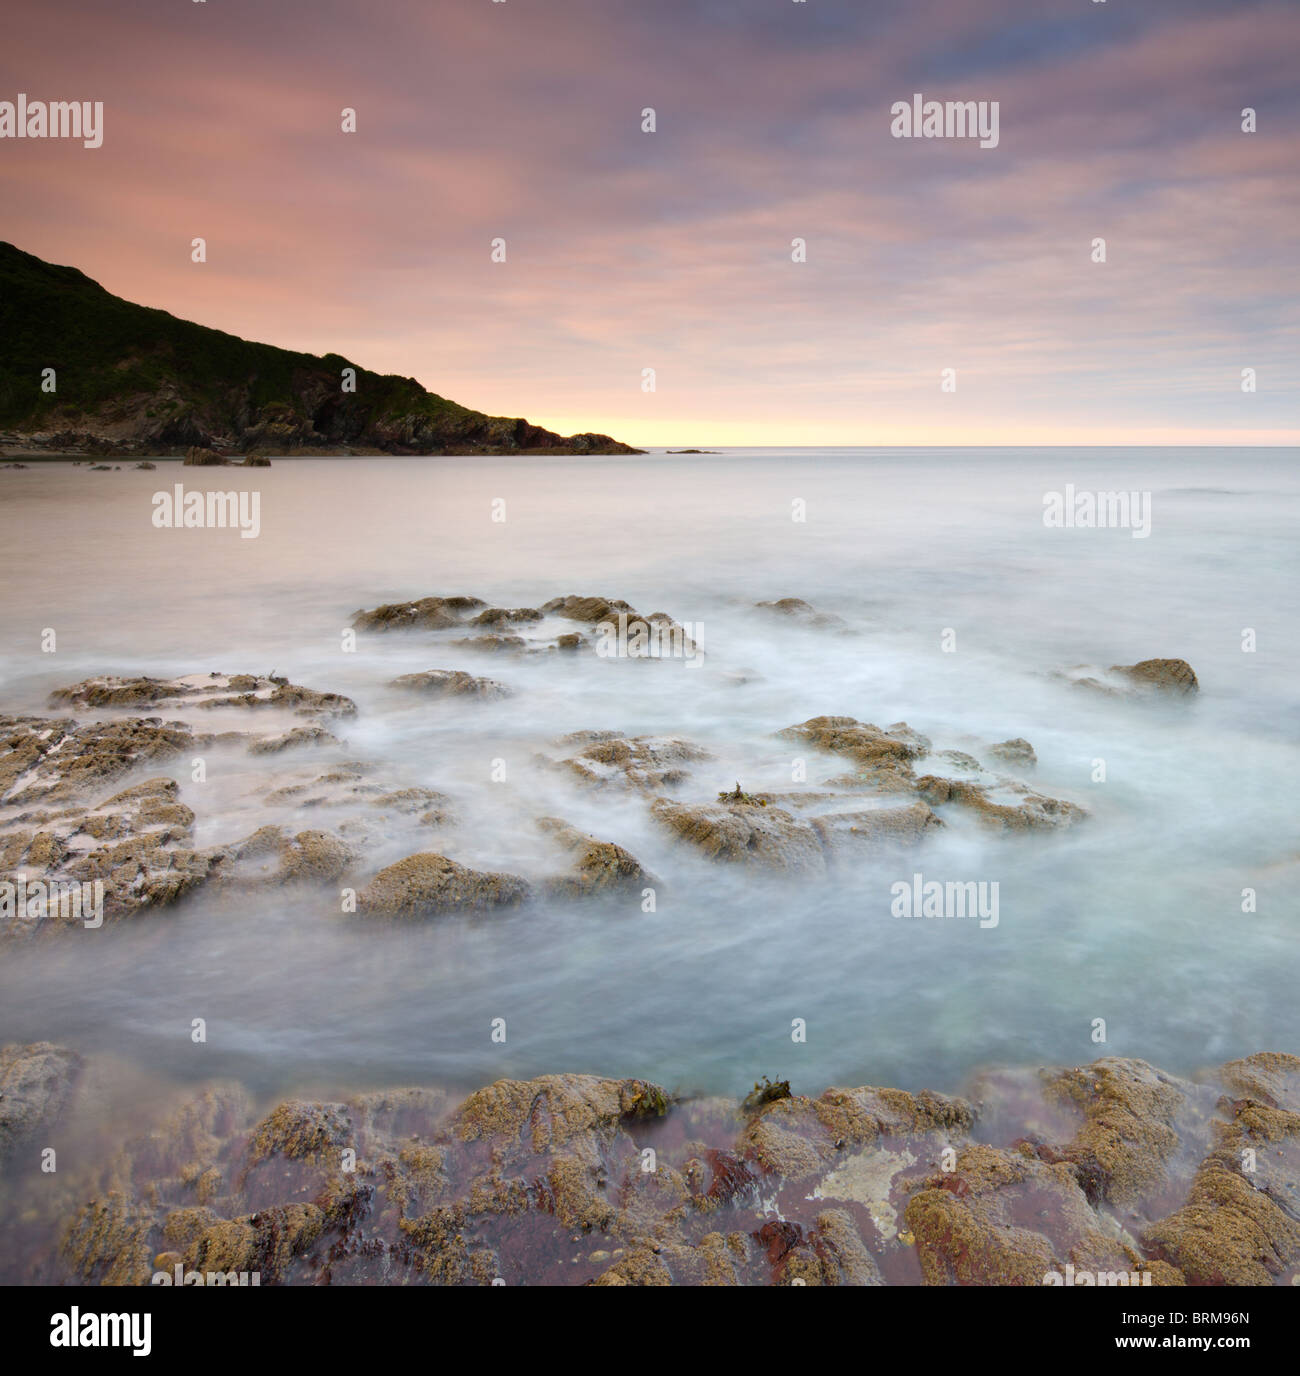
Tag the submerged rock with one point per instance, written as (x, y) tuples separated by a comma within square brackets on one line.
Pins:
[(1018, 753), (430, 884), (425, 614), (493, 644), (1150, 678), (36, 1083), (869, 831), (796, 609), (596, 866), (271, 856), (647, 763), (452, 683), (288, 740), (1033, 811)]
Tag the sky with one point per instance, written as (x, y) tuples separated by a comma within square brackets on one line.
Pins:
[(672, 250)]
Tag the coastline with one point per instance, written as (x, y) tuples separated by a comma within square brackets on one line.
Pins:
[(1033, 1176)]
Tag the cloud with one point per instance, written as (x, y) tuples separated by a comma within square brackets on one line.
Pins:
[(672, 250)]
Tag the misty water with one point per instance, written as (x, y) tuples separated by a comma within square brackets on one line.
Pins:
[(1134, 916)]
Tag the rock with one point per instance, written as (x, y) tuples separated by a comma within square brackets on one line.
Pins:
[(430, 884), (300, 735), (596, 866), (553, 1110), (648, 763), (796, 609), (884, 756), (204, 458), (107, 1242), (270, 856), (44, 761), (302, 1131), (36, 1083), (121, 692), (1227, 1233), (207, 691), (503, 616), (845, 834), (1174, 677), (1017, 753), (303, 702), (844, 1256), (452, 683), (1269, 1077), (147, 856), (412, 800), (1129, 1129), (1150, 678), (797, 1137), (745, 833), (1034, 811), (492, 644), (149, 467), (590, 609), (1005, 1218), (1239, 1224), (542, 1182), (256, 460), (424, 614), (137, 845), (787, 606)]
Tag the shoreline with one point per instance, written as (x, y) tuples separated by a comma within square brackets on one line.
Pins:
[(1113, 1167)]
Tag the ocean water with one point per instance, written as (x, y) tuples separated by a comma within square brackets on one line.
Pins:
[(958, 607)]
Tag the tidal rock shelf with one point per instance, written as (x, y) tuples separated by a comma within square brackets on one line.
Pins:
[(571, 1179)]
